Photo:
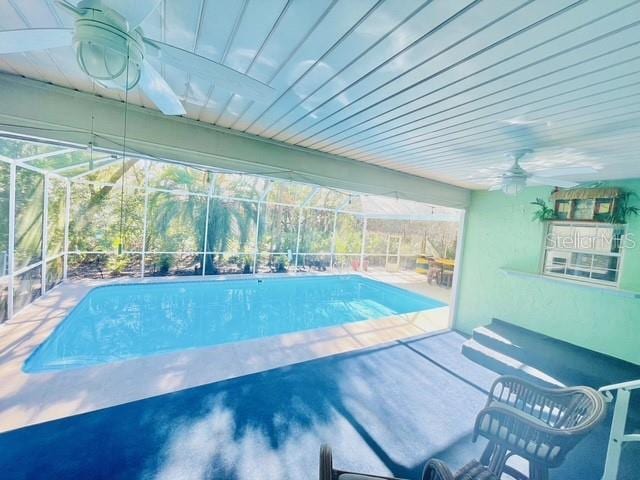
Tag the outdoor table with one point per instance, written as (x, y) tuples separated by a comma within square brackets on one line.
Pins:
[(446, 267)]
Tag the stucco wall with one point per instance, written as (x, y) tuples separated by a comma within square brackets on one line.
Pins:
[(500, 234)]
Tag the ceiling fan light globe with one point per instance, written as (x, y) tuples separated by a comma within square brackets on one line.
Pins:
[(129, 78), (106, 64), (513, 186), (115, 62), (106, 50), (97, 63)]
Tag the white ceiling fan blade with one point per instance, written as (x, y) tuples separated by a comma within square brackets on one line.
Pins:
[(554, 182), (565, 171), (222, 75), (159, 91), (135, 11), (493, 188), (69, 7), (29, 39)]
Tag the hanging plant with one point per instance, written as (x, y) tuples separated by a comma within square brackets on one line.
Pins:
[(544, 213), (623, 210)]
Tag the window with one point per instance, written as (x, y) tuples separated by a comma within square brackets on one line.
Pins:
[(4, 238), (83, 214), (29, 218), (584, 252)]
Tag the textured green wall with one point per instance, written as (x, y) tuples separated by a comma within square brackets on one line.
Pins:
[(500, 234)]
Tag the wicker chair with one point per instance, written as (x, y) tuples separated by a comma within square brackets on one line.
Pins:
[(474, 470), (434, 470), (538, 424)]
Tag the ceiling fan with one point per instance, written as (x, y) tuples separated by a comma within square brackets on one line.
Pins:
[(527, 136), (112, 49), (516, 178)]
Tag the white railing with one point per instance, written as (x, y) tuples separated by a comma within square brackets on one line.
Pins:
[(617, 436)]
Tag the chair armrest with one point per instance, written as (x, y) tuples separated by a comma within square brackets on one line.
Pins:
[(474, 470), (327, 472), (516, 419), (437, 470), (326, 463), (527, 387), (523, 388), (547, 404)]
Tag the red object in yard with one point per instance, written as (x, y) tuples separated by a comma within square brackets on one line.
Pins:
[(355, 265)]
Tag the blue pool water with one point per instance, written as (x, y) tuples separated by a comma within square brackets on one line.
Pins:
[(127, 321)]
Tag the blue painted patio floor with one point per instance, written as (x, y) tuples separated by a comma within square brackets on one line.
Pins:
[(384, 410)]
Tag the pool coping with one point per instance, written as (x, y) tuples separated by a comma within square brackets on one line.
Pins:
[(32, 398)]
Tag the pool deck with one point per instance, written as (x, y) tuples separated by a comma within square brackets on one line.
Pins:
[(412, 281), (28, 399)]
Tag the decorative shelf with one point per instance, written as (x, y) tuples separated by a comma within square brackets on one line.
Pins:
[(571, 283)]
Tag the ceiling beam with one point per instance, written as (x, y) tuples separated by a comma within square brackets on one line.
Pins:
[(29, 107)]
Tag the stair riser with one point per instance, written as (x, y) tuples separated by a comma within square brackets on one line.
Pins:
[(502, 347)]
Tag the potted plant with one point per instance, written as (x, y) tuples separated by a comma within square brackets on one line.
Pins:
[(164, 264), (247, 268), (623, 210), (281, 265), (544, 212)]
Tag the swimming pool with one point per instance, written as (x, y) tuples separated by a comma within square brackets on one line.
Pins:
[(118, 322)]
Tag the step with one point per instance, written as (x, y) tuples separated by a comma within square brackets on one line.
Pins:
[(508, 347), (506, 365), (492, 339), (570, 364)]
